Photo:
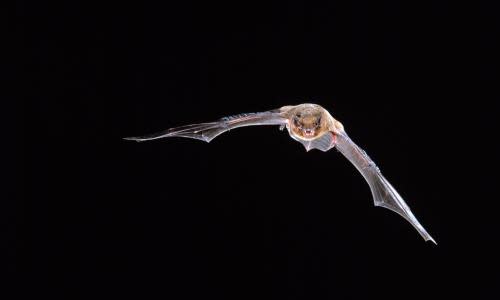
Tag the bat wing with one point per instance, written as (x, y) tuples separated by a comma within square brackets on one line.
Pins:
[(383, 193), (208, 131)]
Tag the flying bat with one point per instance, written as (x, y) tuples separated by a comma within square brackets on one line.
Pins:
[(315, 128)]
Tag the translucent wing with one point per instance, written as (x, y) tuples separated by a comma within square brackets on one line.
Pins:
[(383, 193), (208, 131)]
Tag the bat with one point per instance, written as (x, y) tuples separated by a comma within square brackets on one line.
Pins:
[(315, 128)]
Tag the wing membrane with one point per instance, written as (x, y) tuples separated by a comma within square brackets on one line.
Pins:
[(208, 131), (383, 192)]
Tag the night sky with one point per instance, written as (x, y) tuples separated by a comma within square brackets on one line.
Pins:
[(252, 215)]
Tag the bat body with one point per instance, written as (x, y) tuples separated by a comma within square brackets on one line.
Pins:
[(315, 128)]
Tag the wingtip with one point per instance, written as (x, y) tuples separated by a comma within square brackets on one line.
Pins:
[(132, 139), (431, 239)]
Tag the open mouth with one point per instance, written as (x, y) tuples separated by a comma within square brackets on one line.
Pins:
[(308, 133)]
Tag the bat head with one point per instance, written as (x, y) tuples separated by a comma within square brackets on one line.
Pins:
[(307, 122)]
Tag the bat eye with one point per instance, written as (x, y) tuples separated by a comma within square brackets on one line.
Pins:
[(298, 115), (297, 123)]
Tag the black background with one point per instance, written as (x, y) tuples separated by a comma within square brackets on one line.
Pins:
[(252, 215)]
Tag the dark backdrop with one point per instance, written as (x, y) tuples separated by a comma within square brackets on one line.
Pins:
[(252, 215)]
